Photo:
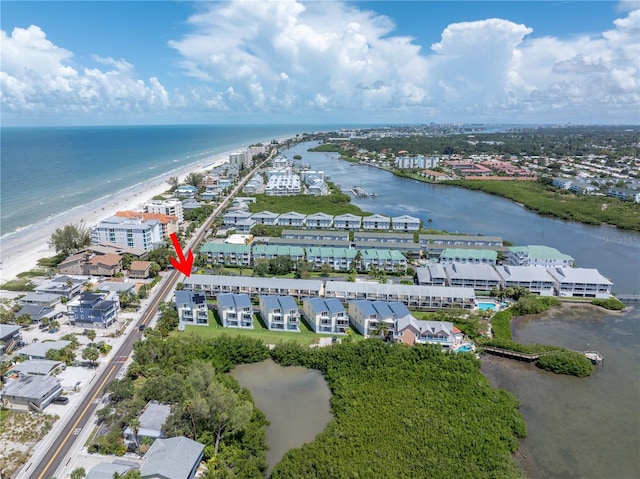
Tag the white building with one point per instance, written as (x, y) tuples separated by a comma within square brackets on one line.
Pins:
[(325, 315), (538, 255), (235, 310), (192, 308), (283, 185), (131, 232), (536, 280), (170, 207), (280, 313), (581, 282)]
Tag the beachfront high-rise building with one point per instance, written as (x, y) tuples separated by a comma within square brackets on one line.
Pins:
[(171, 207), (240, 158), (132, 232)]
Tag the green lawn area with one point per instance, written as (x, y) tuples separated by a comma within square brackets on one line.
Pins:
[(260, 331)]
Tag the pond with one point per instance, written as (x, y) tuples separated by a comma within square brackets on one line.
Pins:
[(294, 399)]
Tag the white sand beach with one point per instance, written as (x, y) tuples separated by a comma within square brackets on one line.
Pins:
[(21, 250)]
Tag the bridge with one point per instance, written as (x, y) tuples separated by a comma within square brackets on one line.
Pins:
[(628, 298)]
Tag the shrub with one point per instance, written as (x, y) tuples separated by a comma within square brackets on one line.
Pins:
[(533, 305), (501, 325), (612, 303), (566, 362)]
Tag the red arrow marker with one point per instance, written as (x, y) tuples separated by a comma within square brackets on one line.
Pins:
[(181, 264)]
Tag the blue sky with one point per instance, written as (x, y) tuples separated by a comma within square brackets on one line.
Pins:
[(285, 61)]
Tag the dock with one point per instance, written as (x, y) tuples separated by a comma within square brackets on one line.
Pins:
[(594, 356)]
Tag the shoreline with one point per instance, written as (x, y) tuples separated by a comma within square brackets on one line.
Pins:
[(21, 250)]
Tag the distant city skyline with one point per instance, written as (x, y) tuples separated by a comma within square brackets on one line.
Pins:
[(319, 62)]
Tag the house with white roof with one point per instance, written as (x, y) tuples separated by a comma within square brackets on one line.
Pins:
[(235, 310), (536, 280), (580, 282), (232, 216), (48, 300), (411, 331), (151, 420), (64, 286), (432, 275), (39, 350), (31, 392), (325, 315), (213, 285), (292, 219), (280, 313), (405, 223), (347, 222), (172, 458), (477, 276), (265, 218), (319, 221), (132, 232), (376, 222)]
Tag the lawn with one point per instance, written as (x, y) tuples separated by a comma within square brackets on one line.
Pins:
[(260, 331)]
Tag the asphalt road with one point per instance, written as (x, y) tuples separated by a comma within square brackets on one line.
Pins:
[(52, 459)]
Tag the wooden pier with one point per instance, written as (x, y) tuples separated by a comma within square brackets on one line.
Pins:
[(594, 356)]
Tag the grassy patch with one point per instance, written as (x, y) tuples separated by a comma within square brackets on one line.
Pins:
[(613, 304), (18, 284), (259, 331)]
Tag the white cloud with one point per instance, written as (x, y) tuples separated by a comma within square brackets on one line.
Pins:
[(287, 59), (40, 77)]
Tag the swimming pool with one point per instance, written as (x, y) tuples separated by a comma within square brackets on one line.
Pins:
[(485, 306), (465, 348)]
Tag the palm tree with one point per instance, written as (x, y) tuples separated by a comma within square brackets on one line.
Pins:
[(134, 424), (382, 330)]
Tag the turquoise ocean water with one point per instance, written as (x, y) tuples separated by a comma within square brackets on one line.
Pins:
[(47, 171)]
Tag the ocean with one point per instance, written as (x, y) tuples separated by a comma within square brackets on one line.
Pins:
[(45, 172)]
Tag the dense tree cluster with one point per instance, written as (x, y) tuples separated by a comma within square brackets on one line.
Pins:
[(70, 238), (405, 412)]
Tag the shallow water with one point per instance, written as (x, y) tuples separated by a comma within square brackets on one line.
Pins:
[(578, 428), (294, 399)]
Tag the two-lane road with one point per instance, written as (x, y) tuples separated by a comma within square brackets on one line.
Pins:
[(49, 464)]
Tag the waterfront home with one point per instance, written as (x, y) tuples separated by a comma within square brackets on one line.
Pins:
[(318, 188), (411, 331), (562, 183), (310, 176), (428, 241), (367, 315), (325, 315), (172, 458), (347, 222), (212, 285), (132, 232), (405, 223), (266, 218), (468, 255), (538, 255), (240, 159), (280, 313), (536, 280), (228, 254), (280, 163), (291, 219), (413, 296), (151, 421), (64, 286), (376, 222), (235, 310), (434, 175), (169, 223), (30, 392), (480, 277), (192, 308), (319, 221), (185, 191), (87, 263), (580, 282), (431, 275), (625, 194), (283, 185), (98, 310), (170, 207)]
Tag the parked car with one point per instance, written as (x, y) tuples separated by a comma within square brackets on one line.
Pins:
[(60, 400), (141, 327)]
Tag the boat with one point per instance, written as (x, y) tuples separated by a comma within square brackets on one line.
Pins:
[(361, 192), (594, 356)]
